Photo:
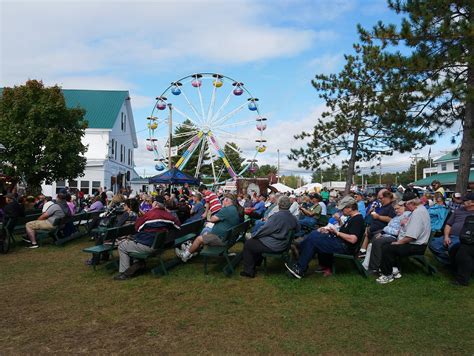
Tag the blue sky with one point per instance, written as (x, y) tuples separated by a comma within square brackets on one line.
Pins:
[(275, 47)]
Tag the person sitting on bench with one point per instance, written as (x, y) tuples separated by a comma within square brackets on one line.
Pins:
[(271, 237), (329, 240), (417, 235), (156, 220), (225, 219)]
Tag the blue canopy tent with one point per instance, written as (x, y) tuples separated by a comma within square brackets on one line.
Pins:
[(174, 176)]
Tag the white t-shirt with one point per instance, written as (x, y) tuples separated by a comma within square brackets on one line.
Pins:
[(295, 209), (419, 226), (47, 205), (324, 210)]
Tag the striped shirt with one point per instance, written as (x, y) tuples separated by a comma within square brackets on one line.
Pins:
[(213, 201)]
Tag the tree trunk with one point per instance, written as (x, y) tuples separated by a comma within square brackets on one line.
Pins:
[(351, 163), (467, 144)]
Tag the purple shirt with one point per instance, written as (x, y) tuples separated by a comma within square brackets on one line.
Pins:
[(96, 206)]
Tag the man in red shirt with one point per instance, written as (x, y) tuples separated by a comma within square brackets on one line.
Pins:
[(213, 204), (147, 226)]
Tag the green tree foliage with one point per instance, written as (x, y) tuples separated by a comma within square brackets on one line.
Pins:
[(330, 174), (42, 137), (181, 136), (234, 156), (431, 84), (353, 124), (293, 181)]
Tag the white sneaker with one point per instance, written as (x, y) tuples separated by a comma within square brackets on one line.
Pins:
[(186, 256), (385, 279), (396, 273), (248, 236), (178, 251)]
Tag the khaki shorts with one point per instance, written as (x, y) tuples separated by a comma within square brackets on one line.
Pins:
[(212, 240), (39, 225)]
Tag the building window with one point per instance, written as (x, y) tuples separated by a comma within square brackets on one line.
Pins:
[(456, 165), (95, 186), (85, 186), (60, 184), (115, 150), (443, 167), (129, 160), (113, 147), (123, 122), (121, 153)]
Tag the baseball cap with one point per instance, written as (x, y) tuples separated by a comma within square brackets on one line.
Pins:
[(458, 195), (292, 196), (345, 202), (407, 196), (468, 196)]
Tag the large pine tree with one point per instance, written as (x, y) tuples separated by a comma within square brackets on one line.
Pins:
[(355, 124), (434, 85)]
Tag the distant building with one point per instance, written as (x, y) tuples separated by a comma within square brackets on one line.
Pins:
[(111, 140), (445, 170)]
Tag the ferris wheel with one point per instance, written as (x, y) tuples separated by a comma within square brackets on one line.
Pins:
[(205, 115)]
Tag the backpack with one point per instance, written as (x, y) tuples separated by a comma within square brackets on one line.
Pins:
[(467, 232)]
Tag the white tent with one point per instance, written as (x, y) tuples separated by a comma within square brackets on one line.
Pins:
[(310, 187), (282, 188)]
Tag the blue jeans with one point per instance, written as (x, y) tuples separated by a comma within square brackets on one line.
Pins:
[(440, 252), (325, 245), (258, 225), (308, 221)]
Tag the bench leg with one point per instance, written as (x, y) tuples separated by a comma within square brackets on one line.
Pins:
[(361, 268), (229, 266), (205, 265)]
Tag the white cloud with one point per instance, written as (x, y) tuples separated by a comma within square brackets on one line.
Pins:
[(327, 63), (68, 39)]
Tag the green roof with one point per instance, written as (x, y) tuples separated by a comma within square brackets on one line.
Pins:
[(448, 157), (444, 178), (102, 106)]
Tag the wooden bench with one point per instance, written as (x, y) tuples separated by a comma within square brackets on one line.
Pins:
[(110, 238), (353, 257), (14, 226), (233, 235), (421, 260), (285, 255)]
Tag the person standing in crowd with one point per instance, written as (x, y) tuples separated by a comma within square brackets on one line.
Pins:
[(213, 204), (436, 186)]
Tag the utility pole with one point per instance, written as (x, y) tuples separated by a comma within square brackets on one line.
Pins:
[(415, 158), (380, 169), (278, 168), (170, 128)]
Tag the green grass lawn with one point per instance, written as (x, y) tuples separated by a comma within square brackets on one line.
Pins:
[(52, 302)]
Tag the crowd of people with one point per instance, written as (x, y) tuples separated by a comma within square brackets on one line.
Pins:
[(379, 228)]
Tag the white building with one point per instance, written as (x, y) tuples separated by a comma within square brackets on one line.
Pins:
[(111, 139), (445, 170)]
